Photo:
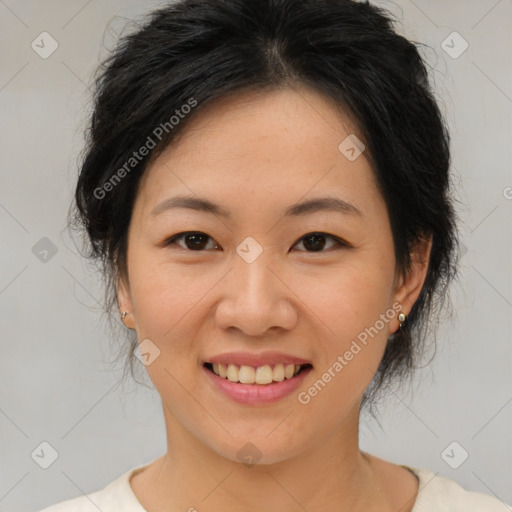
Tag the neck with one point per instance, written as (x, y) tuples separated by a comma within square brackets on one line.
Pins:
[(333, 475)]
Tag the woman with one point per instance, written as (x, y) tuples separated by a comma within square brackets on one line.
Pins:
[(267, 187)]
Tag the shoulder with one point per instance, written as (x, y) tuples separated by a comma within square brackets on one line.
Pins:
[(437, 493), (117, 495)]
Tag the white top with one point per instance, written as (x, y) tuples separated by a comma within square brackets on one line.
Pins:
[(435, 494)]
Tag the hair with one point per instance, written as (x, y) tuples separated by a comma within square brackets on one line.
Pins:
[(196, 51)]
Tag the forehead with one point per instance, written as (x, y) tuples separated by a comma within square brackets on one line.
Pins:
[(283, 142), (301, 118)]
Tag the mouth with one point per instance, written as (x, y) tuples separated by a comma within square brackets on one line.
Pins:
[(263, 375)]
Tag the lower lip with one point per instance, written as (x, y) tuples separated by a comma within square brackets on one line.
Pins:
[(253, 394)]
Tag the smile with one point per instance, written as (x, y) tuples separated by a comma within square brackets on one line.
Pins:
[(259, 375)]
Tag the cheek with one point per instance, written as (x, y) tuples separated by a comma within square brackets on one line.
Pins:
[(349, 299), (165, 298), (353, 312), (167, 304), (351, 350)]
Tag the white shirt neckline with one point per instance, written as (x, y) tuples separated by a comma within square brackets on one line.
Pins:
[(122, 485), (436, 493)]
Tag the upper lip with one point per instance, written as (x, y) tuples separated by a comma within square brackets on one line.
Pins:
[(252, 359)]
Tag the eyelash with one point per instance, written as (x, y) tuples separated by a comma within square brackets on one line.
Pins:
[(172, 241)]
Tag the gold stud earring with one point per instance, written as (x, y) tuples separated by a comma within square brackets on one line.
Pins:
[(401, 318)]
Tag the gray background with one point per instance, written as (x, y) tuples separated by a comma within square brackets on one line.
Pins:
[(57, 385)]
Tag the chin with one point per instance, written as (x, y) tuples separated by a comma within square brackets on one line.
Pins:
[(262, 449)]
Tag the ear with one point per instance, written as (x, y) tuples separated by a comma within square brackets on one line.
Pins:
[(409, 287), (124, 302)]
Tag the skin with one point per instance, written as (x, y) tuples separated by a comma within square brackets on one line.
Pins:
[(255, 155)]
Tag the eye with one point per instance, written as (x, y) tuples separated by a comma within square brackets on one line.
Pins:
[(193, 240), (315, 242), (198, 241)]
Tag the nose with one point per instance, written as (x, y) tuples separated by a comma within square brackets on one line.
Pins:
[(255, 300)]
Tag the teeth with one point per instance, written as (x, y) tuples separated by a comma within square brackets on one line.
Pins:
[(232, 373), (260, 375), (246, 375), (264, 375), (223, 371), (278, 373)]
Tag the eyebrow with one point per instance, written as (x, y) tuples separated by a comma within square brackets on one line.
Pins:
[(332, 204)]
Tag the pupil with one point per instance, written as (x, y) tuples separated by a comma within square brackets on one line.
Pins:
[(318, 242), (195, 242)]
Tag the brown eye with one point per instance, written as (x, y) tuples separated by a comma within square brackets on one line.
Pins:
[(316, 242), (192, 240)]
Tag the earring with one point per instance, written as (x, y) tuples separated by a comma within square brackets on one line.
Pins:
[(401, 319), (123, 315)]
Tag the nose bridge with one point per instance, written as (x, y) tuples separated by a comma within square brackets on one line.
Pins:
[(254, 283), (256, 280), (255, 299)]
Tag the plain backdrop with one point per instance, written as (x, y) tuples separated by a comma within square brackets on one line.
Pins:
[(56, 384)]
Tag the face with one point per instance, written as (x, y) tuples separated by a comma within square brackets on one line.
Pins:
[(277, 258)]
